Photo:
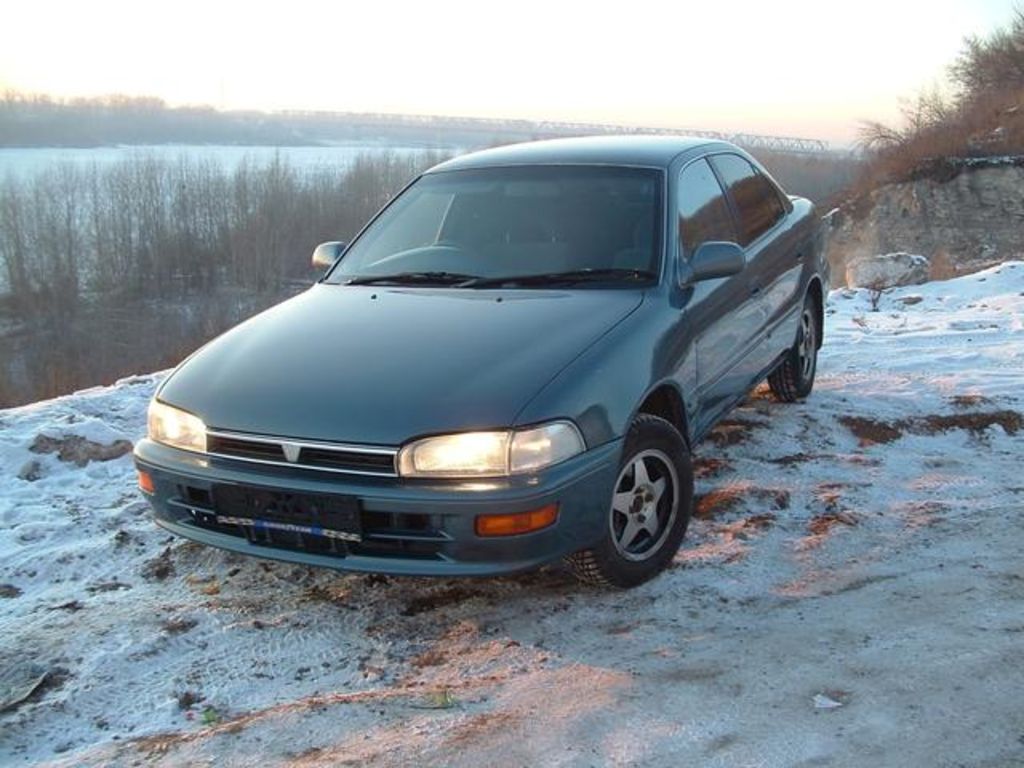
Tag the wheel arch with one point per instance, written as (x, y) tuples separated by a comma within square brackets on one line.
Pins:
[(666, 402)]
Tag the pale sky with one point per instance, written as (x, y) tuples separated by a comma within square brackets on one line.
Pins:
[(790, 67)]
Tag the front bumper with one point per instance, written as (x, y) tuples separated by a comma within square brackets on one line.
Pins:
[(409, 528)]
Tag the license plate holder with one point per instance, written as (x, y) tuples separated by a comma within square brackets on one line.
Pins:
[(319, 514)]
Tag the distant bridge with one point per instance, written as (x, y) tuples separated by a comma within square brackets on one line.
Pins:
[(489, 130), (789, 144)]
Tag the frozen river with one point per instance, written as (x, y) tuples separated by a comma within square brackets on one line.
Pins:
[(25, 163)]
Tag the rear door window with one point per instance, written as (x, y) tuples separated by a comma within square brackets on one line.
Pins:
[(703, 213), (757, 201)]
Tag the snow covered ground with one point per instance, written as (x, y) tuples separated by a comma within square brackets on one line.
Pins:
[(851, 593)]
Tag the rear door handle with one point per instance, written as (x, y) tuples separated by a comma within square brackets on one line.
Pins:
[(755, 289)]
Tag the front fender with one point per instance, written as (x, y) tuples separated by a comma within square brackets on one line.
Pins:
[(602, 389)]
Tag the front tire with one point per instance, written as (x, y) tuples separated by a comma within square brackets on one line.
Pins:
[(793, 379), (649, 510)]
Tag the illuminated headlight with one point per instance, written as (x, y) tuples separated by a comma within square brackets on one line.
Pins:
[(175, 427), (491, 454)]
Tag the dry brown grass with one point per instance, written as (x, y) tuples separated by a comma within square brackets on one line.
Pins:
[(727, 498)]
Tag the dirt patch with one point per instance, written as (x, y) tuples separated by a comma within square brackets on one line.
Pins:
[(873, 431), (733, 432), (976, 423), (861, 460), (159, 567), (177, 626), (710, 467), (72, 606), (969, 401), (77, 450), (795, 458), (335, 593), (821, 525), (440, 599), (433, 657), (9, 591), (720, 501), (107, 586), (923, 514), (778, 497), (759, 522), (188, 699), (828, 496), (743, 529)]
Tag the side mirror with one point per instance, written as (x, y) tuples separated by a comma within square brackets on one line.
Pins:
[(325, 254), (716, 259)]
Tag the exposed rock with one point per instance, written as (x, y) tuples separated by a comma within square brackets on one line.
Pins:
[(887, 270), (964, 219), (30, 471), (9, 591), (78, 450)]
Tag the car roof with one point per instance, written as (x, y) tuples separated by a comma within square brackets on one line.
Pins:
[(646, 151)]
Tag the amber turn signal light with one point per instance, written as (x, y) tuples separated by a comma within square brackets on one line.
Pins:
[(521, 522), (146, 482)]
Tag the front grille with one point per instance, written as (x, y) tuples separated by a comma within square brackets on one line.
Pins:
[(328, 457), (244, 449), (378, 463)]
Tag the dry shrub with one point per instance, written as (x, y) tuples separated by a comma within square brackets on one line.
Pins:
[(983, 118)]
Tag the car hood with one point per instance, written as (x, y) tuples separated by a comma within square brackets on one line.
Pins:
[(382, 365)]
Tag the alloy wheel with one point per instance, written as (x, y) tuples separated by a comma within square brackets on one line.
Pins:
[(643, 505)]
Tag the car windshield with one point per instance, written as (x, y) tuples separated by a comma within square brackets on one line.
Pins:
[(485, 227)]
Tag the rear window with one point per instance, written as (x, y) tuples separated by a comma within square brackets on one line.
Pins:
[(757, 200)]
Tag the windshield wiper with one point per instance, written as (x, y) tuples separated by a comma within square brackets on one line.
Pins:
[(563, 278), (413, 278)]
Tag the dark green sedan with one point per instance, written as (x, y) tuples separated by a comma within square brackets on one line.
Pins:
[(509, 365)]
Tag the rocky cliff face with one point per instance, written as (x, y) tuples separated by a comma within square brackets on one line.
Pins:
[(962, 214)]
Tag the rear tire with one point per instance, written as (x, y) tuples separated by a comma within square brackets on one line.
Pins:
[(793, 379), (649, 510)]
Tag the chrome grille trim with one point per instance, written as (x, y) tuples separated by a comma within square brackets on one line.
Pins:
[(345, 447), (337, 449)]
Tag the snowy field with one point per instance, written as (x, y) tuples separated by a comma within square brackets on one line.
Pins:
[(851, 593)]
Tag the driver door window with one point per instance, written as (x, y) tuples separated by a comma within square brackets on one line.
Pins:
[(703, 213)]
